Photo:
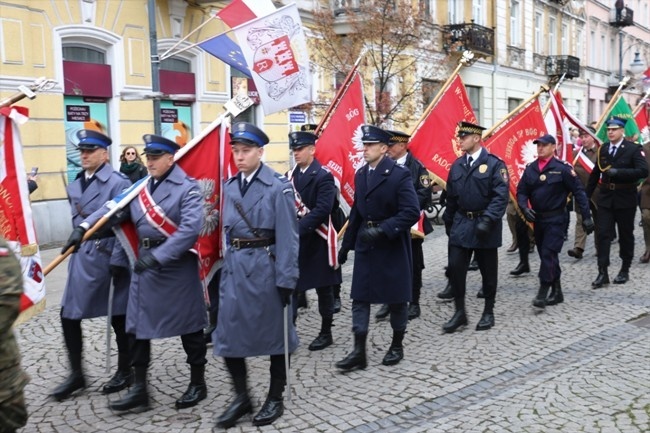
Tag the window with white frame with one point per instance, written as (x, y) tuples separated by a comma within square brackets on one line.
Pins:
[(538, 33), (455, 11), (552, 36), (565, 38), (478, 12), (474, 96), (428, 9), (603, 52), (579, 45), (592, 47), (515, 23)]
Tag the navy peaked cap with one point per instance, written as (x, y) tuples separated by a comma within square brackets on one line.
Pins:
[(468, 128), (247, 133), (298, 139), (398, 137), (157, 145), (545, 139), (309, 127), (89, 139), (374, 134), (616, 122)]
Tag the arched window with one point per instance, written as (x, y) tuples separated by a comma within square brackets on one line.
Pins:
[(83, 54)]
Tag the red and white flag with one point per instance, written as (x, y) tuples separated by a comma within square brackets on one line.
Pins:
[(339, 145), (513, 141), (275, 50), (642, 119), (434, 141), (239, 12), (557, 127), (16, 223)]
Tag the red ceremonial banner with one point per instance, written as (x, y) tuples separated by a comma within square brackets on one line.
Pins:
[(434, 141), (513, 142)]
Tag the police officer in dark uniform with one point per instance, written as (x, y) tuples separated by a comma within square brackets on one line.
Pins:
[(477, 196), (542, 196), (165, 295), (95, 264), (317, 191), (384, 209), (397, 150), (619, 167)]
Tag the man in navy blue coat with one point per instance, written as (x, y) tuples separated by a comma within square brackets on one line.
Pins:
[(379, 231), (315, 185), (542, 196), (477, 196)]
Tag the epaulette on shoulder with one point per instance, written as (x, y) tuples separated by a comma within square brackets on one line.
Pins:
[(327, 169), (281, 177), (191, 179), (495, 157), (120, 174)]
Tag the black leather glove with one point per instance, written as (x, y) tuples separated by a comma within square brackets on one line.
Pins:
[(612, 172), (448, 229), (371, 234), (483, 228), (285, 295), (147, 261), (343, 255), (118, 271), (588, 225), (529, 214), (74, 240)]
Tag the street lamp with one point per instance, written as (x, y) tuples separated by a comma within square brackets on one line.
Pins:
[(637, 66)]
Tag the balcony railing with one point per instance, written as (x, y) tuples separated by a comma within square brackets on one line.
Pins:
[(560, 2), (468, 36), (624, 19), (569, 66), (341, 7)]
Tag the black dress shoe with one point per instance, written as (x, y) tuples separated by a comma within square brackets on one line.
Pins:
[(602, 278), (272, 409), (383, 312), (337, 305), (486, 322), (237, 409), (393, 356), (194, 394), (622, 278), (459, 319), (136, 398), (321, 342), (473, 265), (522, 268), (480, 294), (414, 311), (512, 248), (74, 382), (120, 380), (447, 294)]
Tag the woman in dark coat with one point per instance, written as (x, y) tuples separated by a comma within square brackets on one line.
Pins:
[(132, 165)]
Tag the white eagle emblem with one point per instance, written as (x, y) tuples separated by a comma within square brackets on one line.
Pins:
[(528, 154), (356, 157), (210, 211)]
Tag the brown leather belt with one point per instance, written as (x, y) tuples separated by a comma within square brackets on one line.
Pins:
[(239, 243), (151, 242), (617, 186)]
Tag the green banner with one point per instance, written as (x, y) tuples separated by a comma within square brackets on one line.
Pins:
[(621, 109)]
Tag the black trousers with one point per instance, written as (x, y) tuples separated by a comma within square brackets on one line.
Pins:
[(73, 337), (523, 241), (194, 345), (361, 316), (325, 302), (549, 237), (607, 220), (237, 367), (418, 265), (488, 263)]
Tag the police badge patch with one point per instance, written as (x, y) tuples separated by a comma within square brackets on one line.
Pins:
[(504, 174), (425, 181)]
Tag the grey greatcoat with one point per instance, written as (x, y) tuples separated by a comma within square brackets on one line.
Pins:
[(250, 308), (383, 269), (168, 301), (89, 277)]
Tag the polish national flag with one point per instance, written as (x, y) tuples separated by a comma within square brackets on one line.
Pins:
[(240, 11)]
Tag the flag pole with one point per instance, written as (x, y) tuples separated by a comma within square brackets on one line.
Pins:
[(555, 89), (235, 106), (339, 94), (39, 85), (542, 89), (465, 60), (641, 103), (612, 101), (184, 38)]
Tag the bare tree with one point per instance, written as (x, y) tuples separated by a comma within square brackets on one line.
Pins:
[(398, 50)]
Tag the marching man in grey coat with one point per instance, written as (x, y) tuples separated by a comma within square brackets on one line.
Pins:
[(259, 274), (165, 296), (86, 292)]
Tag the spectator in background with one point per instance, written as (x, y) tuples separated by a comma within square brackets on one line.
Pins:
[(131, 164)]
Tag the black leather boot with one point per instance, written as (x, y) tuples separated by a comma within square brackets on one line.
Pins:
[(447, 294), (196, 391), (396, 350), (273, 407), (602, 278), (414, 311), (207, 332), (480, 294), (623, 275), (75, 380), (556, 296), (487, 318), (383, 312), (522, 268), (540, 299), (356, 358), (459, 319), (240, 406), (138, 395), (324, 338), (123, 377)]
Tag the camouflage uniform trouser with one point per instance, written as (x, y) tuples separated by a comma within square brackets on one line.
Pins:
[(13, 410)]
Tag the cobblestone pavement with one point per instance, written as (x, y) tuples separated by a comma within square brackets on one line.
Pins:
[(583, 365)]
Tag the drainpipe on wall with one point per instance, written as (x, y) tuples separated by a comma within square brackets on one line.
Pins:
[(155, 65)]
